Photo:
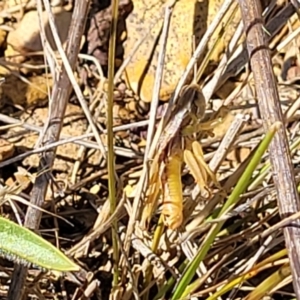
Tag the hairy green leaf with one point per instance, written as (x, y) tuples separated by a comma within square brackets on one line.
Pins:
[(23, 246)]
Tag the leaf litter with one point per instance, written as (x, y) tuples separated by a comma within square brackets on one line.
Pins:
[(78, 184)]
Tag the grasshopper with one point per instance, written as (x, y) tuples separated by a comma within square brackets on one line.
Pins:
[(165, 171)]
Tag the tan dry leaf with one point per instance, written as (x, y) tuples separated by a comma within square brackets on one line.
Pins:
[(24, 178), (6, 149)]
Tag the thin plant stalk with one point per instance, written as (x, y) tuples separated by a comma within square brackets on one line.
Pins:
[(110, 137)]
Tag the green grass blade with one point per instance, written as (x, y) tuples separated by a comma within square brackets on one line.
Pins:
[(23, 246)]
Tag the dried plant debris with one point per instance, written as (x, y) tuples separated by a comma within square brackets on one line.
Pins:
[(188, 178), (7, 149)]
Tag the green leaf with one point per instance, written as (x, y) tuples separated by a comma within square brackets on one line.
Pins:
[(23, 246)]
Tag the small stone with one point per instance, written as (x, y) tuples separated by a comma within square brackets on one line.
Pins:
[(26, 38)]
